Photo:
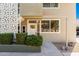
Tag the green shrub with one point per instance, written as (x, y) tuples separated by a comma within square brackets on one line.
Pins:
[(20, 38), (6, 38), (33, 40)]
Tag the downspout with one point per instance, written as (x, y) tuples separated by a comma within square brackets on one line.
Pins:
[(65, 47), (66, 44)]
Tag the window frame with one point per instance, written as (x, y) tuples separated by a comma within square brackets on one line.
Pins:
[(51, 7), (50, 26)]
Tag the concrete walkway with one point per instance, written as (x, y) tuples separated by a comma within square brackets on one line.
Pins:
[(48, 49), (75, 51)]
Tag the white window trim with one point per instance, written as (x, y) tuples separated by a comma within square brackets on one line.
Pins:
[(52, 7), (50, 32)]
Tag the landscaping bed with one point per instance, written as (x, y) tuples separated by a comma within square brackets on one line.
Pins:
[(24, 42)]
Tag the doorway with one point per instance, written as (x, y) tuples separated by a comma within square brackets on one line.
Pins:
[(32, 27)]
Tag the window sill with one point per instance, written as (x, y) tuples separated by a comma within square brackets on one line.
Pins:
[(51, 32)]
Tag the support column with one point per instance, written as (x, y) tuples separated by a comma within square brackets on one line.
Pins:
[(19, 22), (20, 26), (38, 27)]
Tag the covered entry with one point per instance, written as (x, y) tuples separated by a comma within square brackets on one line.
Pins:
[(30, 24)]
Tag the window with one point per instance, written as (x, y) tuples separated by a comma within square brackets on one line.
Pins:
[(50, 5), (32, 21), (23, 29), (49, 26), (54, 26), (32, 26), (45, 26)]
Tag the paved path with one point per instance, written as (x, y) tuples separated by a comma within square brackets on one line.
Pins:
[(48, 49), (75, 51)]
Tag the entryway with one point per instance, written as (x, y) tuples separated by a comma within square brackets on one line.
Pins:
[(32, 27)]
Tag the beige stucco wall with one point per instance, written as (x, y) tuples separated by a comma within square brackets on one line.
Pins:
[(66, 10), (30, 9)]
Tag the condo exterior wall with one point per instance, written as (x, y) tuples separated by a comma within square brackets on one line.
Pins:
[(65, 11), (30, 9)]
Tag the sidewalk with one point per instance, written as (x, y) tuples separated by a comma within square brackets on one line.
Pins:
[(72, 52), (48, 49)]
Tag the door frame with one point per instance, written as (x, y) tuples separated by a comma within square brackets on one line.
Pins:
[(32, 23)]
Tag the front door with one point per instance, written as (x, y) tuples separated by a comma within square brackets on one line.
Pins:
[(32, 28)]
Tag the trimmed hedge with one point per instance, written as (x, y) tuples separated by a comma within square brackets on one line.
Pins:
[(6, 38), (33, 40), (20, 38)]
